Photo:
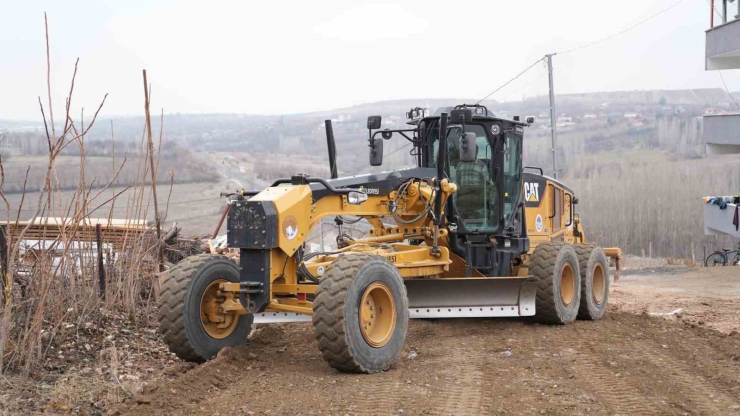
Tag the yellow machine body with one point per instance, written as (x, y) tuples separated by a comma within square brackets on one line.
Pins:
[(452, 237), (550, 216), (297, 213)]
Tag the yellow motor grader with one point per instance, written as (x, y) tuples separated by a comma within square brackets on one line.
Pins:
[(466, 233)]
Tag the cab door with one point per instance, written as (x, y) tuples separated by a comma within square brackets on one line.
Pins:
[(556, 219)]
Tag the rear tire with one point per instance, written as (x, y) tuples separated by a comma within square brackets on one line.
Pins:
[(180, 320), (554, 266), (594, 281), (340, 320), (717, 258)]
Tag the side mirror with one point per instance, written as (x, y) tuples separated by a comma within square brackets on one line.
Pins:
[(376, 151), (530, 119), (373, 122), (468, 148), (461, 116)]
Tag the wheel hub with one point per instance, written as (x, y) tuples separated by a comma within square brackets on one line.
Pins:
[(216, 323), (377, 314), (567, 285), (598, 284)]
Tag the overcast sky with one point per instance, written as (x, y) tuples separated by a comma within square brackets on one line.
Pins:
[(275, 57)]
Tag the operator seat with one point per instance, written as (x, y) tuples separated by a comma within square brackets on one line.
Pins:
[(473, 182)]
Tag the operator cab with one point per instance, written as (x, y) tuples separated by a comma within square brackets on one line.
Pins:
[(483, 157), (489, 186)]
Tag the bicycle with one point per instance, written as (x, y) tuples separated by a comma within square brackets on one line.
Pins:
[(724, 257)]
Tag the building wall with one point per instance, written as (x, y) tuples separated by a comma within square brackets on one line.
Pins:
[(723, 46), (722, 133)]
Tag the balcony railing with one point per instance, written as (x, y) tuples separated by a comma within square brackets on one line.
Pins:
[(722, 12), (723, 40)]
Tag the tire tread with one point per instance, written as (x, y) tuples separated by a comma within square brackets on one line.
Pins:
[(328, 316), (172, 305), (542, 268)]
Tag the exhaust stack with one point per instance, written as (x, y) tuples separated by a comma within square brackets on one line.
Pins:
[(330, 144)]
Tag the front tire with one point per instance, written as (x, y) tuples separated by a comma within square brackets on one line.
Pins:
[(361, 314), (190, 286), (554, 266)]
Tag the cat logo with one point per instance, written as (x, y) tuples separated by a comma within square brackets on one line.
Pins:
[(531, 191)]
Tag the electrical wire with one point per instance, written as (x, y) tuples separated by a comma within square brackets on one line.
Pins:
[(596, 42), (584, 46), (709, 2), (512, 80), (524, 86), (726, 89), (402, 191), (389, 154), (304, 258), (350, 222)]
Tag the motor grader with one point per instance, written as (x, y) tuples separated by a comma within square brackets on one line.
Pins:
[(465, 233)]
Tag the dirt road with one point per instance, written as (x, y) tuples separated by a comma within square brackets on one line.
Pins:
[(629, 363), (703, 296)]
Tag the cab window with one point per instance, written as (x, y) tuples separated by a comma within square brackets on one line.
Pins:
[(477, 196)]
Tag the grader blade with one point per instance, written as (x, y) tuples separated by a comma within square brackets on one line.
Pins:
[(471, 297), (280, 317)]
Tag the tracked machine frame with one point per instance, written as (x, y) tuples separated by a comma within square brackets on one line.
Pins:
[(466, 233)]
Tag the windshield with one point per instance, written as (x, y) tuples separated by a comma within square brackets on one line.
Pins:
[(477, 195), (512, 173)]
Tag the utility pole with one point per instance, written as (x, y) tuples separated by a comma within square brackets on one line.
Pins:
[(552, 118)]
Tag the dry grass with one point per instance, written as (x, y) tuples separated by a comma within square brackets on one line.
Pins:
[(52, 288), (649, 203)]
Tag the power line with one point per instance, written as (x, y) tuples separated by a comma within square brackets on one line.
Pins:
[(525, 86), (623, 31), (726, 89), (585, 46), (714, 8), (511, 80)]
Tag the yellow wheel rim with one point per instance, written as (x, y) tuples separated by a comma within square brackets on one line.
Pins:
[(217, 324), (567, 285), (598, 284), (377, 314)]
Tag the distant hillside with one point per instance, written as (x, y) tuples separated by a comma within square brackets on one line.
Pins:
[(590, 122), (187, 125), (670, 97), (398, 107)]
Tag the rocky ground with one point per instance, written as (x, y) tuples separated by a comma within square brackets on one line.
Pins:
[(700, 296), (99, 363), (670, 345)]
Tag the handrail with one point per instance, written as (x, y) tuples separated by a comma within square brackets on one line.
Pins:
[(535, 168), (712, 10), (322, 181)]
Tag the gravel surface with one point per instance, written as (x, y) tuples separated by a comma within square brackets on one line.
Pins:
[(638, 360)]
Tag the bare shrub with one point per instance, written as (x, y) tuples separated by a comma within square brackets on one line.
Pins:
[(648, 203), (50, 285)]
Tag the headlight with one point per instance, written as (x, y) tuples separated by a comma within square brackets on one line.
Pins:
[(356, 198)]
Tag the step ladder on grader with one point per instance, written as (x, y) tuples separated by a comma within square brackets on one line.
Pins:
[(466, 233)]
